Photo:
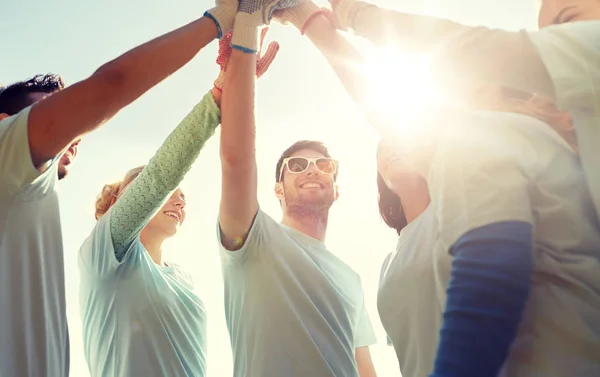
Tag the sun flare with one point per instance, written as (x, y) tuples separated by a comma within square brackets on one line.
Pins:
[(401, 85)]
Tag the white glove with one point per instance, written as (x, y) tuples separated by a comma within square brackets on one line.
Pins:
[(251, 16)]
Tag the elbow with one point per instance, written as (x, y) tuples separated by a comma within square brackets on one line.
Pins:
[(236, 159), (110, 76)]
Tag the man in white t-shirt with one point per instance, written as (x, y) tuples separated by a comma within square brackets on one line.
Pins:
[(292, 307), (39, 135)]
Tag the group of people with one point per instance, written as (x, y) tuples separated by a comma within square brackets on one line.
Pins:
[(495, 200)]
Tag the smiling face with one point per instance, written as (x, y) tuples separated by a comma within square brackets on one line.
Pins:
[(308, 191), (169, 218)]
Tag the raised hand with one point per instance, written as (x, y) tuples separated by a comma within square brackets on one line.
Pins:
[(252, 15), (344, 12), (301, 15), (223, 14), (263, 62)]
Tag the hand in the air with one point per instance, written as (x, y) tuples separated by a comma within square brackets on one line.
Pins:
[(344, 12), (263, 62), (252, 15), (301, 15), (223, 15)]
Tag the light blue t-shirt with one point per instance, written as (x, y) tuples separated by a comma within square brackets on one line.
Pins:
[(139, 318), (293, 308), (34, 340)]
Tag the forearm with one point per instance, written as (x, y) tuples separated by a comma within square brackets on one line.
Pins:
[(57, 120), (238, 131), (163, 174), (383, 26), (348, 64), (143, 67), (489, 287), (239, 184), (462, 54), (343, 57)]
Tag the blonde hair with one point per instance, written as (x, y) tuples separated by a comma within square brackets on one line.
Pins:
[(496, 98), (111, 192)]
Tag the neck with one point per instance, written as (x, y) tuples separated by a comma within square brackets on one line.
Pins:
[(414, 196), (153, 245), (312, 222)]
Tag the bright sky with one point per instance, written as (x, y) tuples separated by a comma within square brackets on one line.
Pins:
[(299, 98)]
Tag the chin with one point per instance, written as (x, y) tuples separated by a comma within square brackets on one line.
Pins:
[(63, 172), (171, 231)]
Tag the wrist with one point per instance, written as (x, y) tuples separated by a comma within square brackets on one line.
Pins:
[(216, 94), (223, 18), (245, 34), (300, 14), (345, 13), (323, 12)]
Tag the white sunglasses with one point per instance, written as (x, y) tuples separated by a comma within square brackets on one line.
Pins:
[(297, 165)]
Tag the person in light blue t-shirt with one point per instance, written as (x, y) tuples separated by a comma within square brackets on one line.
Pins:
[(292, 307), (139, 312)]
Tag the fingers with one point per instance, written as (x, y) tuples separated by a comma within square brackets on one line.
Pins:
[(225, 43), (224, 50), (264, 62), (263, 33)]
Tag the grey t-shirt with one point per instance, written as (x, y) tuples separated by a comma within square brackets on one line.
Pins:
[(292, 307), (499, 167), (412, 294), (34, 340)]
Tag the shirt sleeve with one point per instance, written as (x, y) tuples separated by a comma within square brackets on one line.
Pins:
[(163, 174), (255, 238), (461, 54), (481, 175), (16, 167), (97, 253), (571, 55), (363, 335)]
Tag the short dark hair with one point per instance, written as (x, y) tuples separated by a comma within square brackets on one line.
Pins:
[(390, 207), (15, 97), (316, 146)]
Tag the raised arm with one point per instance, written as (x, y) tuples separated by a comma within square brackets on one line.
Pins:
[(342, 56), (61, 118), (239, 203), (164, 172), (475, 54)]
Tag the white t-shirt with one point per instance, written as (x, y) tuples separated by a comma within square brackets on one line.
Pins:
[(34, 340), (293, 308), (412, 294), (571, 55), (497, 167)]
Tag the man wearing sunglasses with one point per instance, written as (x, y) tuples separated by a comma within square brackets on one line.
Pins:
[(292, 308)]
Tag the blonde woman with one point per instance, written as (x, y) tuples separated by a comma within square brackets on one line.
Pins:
[(140, 314), (496, 224)]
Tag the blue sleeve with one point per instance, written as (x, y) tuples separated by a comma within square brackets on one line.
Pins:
[(489, 286)]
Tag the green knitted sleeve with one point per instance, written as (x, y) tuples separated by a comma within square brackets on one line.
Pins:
[(163, 174)]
